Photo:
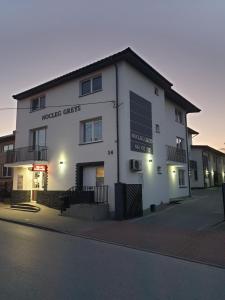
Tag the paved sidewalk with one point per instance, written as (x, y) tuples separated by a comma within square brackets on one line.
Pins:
[(48, 218)]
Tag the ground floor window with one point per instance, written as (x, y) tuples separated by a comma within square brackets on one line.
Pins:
[(6, 172), (100, 176), (19, 182), (181, 177)]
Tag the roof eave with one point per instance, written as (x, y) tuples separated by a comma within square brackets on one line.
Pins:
[(126, 55)]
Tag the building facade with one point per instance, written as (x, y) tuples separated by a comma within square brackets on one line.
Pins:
[(6, 144), (116, 120), (207, 166)]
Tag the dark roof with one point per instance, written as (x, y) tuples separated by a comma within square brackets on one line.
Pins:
[(192, 131), (207, 148), (181, 101), (9, 137), (127, 55)]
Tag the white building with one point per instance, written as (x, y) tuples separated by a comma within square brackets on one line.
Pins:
[(94, 126), (207, 166)]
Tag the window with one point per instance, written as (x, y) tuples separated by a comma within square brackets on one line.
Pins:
[(179, 143), (19, 182), (8, 147), (38, 137), (157, 128), (97, 84), (179, 116), (156, 91), (37, 103), (86, 87), (91, 130), (6, 172), (193, 166), (181, 177), (91, 85), (100, 174)]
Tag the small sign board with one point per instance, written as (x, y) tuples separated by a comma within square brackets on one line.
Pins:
[(39, 168)]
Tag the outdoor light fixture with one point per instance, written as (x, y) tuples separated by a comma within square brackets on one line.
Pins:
[(150, 160), (61, 162), (174, 171)]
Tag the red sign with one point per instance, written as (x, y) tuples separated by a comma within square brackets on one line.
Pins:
[(39, 168)]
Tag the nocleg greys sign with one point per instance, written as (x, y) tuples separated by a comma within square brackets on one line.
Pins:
[(140, 124), (59, 113)]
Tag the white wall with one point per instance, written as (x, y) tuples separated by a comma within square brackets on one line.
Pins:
[(174, 130), (196, 155)]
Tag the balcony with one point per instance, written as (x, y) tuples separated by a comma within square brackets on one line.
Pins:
[(38, 153), (176, 155)]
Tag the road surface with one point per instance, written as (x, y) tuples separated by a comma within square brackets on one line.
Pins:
[(38, 264)]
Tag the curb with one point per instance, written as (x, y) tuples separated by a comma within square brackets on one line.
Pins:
[(32, 225)]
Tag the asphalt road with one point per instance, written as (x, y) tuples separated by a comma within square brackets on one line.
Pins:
[(37, 264), (202, 211)]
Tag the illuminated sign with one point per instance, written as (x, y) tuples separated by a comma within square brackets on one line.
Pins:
[(39, 168)]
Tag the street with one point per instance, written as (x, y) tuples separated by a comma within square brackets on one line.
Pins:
[(38, 264)]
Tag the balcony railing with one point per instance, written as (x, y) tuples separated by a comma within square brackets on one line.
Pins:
[(37, 153), (175, 154)]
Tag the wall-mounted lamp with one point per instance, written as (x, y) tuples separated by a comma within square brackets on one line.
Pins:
[(150, 160), (174, 171), (61, 162)]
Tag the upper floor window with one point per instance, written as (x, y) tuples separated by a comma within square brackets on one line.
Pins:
[(179, 143), (38, 137), (91, 85), (8, 147), (179, 116), (91, 130), (37, 103), (157, 128)]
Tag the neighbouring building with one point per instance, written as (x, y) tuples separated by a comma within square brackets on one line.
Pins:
[(207, 166), (6, 144), (117, 120)]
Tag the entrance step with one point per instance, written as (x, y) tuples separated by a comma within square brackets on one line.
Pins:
[(25, 207)]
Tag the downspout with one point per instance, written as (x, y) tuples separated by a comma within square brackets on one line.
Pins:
[(117, 125), (188, 161)]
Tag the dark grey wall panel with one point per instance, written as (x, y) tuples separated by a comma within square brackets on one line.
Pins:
[(140, 124)]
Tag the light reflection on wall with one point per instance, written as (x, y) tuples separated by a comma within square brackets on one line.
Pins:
[(62, 163)]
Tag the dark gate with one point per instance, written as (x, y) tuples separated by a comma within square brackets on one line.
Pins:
[(128, 201)]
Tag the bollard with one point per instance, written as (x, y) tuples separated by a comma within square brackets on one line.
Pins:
[(223, 193)]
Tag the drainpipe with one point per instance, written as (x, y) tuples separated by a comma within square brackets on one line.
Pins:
[(188, 161), (117, 126)]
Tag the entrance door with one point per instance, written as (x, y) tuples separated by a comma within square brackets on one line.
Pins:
[(37, 184), (93, 176), (93, 179)]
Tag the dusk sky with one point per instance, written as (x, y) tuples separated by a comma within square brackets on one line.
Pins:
[(183, 39)]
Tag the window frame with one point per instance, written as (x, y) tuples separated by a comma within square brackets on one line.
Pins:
[(31, 137), (179, 116), (82, 131), (7, 173), (181, 143), (39, 106), (181, 179), (91, 79), (7, 145)]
